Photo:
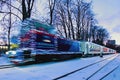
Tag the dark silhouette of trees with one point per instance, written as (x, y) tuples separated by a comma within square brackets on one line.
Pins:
[(99, 34), (102, 35)]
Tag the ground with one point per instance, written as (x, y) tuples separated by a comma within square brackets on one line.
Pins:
[(52, 70)]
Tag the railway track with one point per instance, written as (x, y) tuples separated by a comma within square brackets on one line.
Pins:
[(109, 73), (7, 66), (90, 76)]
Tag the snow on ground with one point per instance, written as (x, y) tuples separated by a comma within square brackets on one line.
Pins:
[(108, 68), (85, 73), (115, 75), (4, 60), (58, 69), (47, 71), (15, 74)]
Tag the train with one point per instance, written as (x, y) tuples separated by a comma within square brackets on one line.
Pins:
[(45, 46), (40, 45)]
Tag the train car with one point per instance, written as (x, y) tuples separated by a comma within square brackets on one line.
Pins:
[(68, 45), (90, 48), (105, 50), (71, 48), (111, 51)]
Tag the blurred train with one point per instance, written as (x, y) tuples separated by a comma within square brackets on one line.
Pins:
[(39, 45)]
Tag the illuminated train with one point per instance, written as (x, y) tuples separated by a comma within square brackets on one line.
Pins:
[(39, 45)]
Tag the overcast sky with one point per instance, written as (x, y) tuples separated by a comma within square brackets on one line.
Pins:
[(108, 15)]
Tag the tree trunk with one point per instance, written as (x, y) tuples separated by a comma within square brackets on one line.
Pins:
[(9, 28), (27, 6)]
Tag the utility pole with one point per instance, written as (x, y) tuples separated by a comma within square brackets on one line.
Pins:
[(9, 27)]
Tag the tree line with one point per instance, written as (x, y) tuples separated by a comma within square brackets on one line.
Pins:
[(73, 19)]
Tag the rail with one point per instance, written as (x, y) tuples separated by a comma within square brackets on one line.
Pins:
[(7, 66), (103, 68)]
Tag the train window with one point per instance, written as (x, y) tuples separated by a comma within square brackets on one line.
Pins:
[(45, 39)]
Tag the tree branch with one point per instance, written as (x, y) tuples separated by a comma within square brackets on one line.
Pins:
[(12, 6), (11, 13)]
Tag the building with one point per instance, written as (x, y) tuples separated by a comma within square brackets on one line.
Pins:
[(113, 42)]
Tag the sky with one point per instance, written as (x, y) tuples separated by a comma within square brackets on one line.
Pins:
[(107, 12)]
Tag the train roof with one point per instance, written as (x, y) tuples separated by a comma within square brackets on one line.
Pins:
[(36, 24), (41, 32)]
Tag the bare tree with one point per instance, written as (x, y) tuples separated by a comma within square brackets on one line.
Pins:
[(77, 14), (75, 17), (9, 23), (51, 4), (61, 20), (85, 20), (14, 12), (27, 6), (93, 33), (65, 18)]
